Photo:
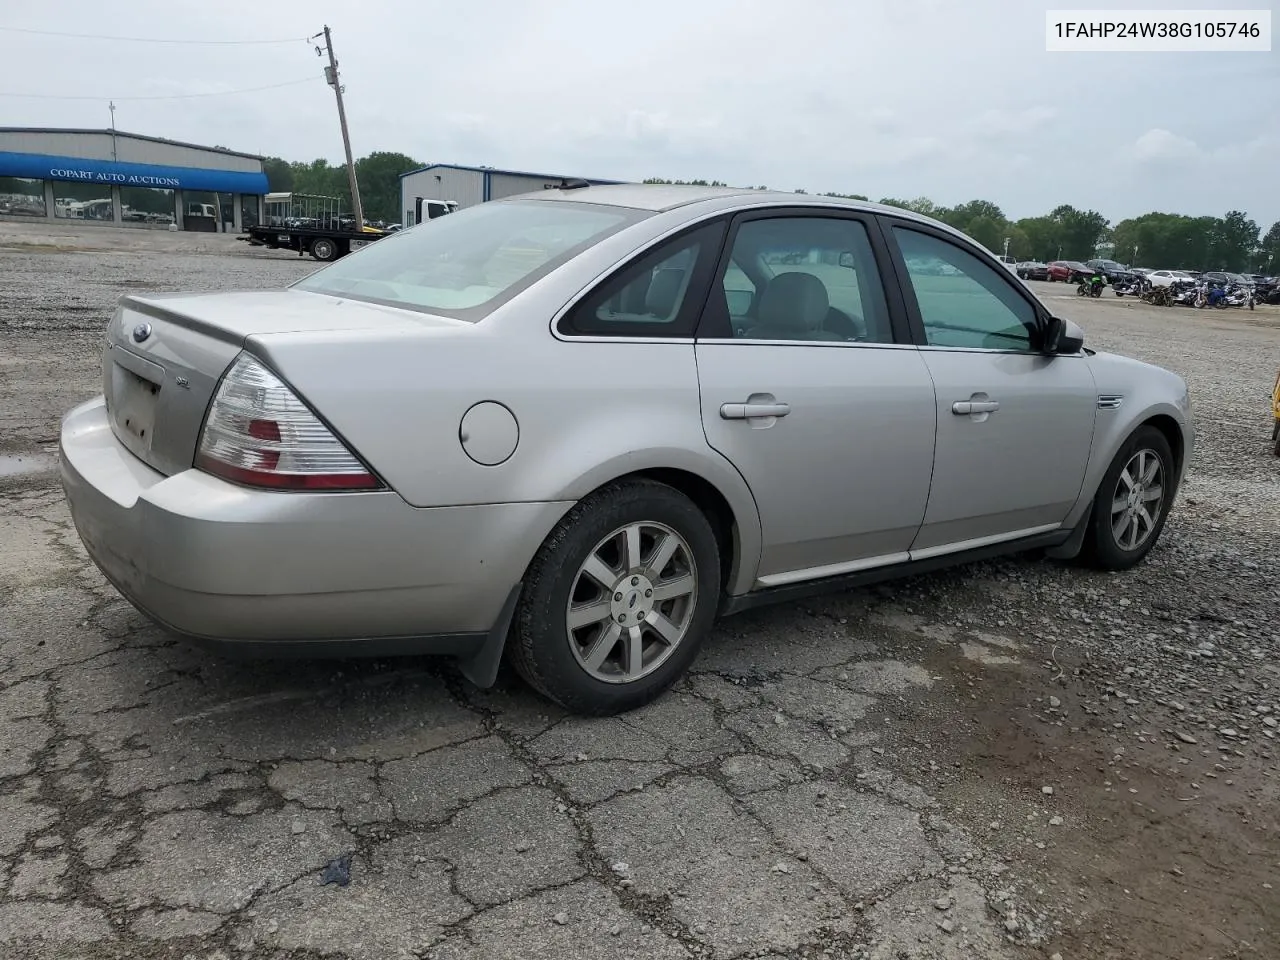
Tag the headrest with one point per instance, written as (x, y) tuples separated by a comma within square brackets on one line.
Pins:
[(664, 290), (796, 301)]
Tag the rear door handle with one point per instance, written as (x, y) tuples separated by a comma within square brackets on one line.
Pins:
[(749, 411), (963, 408)]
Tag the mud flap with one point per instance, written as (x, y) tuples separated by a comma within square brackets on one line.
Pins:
[(1070, 548), (481, 668)]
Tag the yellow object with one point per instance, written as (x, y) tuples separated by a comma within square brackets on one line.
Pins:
[(1275, 412)]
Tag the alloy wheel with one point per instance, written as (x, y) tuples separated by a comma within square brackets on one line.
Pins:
[(1137, 500), (632, 602)]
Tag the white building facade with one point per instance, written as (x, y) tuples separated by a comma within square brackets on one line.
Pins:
[(468, 186)]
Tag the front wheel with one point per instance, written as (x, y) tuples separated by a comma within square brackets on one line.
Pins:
[(1132, 502), (618, 600)]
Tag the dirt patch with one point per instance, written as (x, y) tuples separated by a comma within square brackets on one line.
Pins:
[(1148, 846)]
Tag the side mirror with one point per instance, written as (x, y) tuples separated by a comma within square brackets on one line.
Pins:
[(1063, 337), (846, 260)]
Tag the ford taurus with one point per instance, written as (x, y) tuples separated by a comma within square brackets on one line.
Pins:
[(572, 428)]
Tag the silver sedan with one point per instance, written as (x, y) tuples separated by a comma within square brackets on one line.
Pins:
[(574, 427)]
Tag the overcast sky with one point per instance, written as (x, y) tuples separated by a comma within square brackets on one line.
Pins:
[(950, 100)]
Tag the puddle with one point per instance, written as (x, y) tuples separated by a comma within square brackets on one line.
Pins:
[(24, 465)]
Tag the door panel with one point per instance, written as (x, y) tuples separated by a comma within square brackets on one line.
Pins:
[(1015, 426), (1018, 466), (803, 389), (843, 475)]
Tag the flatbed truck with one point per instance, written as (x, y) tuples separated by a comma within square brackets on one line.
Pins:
[(309, 224)]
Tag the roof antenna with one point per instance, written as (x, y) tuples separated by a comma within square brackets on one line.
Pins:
[(568, 183)]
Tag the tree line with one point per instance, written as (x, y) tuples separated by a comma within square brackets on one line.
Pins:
[(1161, 240), (378, 175)]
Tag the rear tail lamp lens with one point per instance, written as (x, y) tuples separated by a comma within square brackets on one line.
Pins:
[(260, 434)]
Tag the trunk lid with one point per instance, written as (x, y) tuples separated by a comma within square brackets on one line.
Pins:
[(165, 354)]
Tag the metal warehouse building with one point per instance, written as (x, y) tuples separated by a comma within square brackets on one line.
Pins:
[(127, 179), (467, 186)]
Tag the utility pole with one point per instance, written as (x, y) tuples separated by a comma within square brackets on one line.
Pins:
[(331, 77), (112, 107)]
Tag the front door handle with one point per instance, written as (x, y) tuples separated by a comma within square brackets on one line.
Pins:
[(964, 408), (750, 411)]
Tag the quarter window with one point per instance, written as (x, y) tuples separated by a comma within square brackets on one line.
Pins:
[(811, 279), (964, 302), (658, 295)]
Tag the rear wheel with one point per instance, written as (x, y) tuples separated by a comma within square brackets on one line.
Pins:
[(324, 249), (1132, 502), (618, 600)]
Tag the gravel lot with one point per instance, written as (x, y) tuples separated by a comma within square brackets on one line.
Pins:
[(1018, 759)]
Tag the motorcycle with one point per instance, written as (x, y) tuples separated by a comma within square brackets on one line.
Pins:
[(1134, 286), (1240, 296), (1211, 295), (1184, 293), (1091, 286), (1157, 296)]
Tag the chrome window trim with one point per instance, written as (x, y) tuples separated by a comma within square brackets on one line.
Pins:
[(845, 344)]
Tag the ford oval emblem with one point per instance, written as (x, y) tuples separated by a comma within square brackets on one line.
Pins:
[(141, 332)]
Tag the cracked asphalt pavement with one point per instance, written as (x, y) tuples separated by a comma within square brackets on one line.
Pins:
[(1017, 759)]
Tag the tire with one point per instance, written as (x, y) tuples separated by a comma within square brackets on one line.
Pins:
[(556, 660), (324, 249), (1103, 547)]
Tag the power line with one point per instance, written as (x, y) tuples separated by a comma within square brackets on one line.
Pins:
[(167, 96), (95, 36)]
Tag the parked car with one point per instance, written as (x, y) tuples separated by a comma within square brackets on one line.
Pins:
[(576, 426), (1070, 271), (1265, 289), (1165, 278), (1032, 270)]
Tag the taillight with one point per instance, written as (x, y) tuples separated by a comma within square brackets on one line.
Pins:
[(259, 433)]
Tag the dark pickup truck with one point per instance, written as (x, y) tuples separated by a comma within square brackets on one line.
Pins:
[(1112, 271)]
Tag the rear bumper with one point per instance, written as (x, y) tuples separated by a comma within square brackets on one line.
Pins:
[(316, 574)]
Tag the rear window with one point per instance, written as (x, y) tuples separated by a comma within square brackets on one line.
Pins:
[(466, 264)]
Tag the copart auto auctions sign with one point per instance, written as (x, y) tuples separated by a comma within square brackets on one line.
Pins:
[(140, 180)]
